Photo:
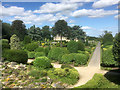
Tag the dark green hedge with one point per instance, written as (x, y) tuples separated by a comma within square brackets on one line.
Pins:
[(31, 46), (18, 56), (107, 58), (72, 46)]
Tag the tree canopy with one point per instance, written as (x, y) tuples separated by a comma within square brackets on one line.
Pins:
[(19, 28)]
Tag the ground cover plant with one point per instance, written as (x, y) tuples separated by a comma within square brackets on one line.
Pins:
[(65, 75)]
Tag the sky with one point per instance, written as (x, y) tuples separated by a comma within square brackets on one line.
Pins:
[(95, 16)]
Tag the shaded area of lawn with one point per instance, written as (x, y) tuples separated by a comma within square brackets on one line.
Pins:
[(101, 81), (113, 76)]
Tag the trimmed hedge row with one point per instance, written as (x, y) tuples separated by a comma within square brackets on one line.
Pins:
[(75, 57), (56, 53), (72, 46), (31, 55), (31, 46), (107, 58), (5, 44), (39, 54), (18, 56)]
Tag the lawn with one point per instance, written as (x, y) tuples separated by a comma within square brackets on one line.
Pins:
[(102, 81)]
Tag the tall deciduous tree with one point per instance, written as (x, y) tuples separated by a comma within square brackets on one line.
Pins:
[(60, 29), (76, 32), (107, 37), (35, 33), (6, 31), (19, 28), (46, 32), (116, 48)]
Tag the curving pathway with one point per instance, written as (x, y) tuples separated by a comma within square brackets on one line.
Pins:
[(87, 73)]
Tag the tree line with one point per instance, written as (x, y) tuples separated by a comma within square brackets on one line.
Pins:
[(60, 28)]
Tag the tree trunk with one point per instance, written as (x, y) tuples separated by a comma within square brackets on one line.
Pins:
[(61, 41)]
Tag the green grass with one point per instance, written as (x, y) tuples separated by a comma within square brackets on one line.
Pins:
[(100, 81), (108, 68)]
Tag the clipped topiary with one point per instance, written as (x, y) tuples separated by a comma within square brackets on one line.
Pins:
[(67, 58), (81, 46), (81, 59), (15, 42), (31, 55), (56, 53), (72, 46), (40, 49), (27, 40), (18, 56), (5, 44), (42, 62), (31, 46), (47, 49), (39, 54)]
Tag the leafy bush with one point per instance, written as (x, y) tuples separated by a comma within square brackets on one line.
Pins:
[(15, 42), (54, 53), (31, 46), (107, 58), (67, 58), (88, 49), (27, 40), (81, 46), (81, 59), (5, 41), (47, 49), (39, 54), (5, 44), (18, 56), (64, 51), (75, 57), (72, 46), (37, 73), (42, 62), (68, 76), (116, 48), (31, 55), (40, 49), (66, 66)]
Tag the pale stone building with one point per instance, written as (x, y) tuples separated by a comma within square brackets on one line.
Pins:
[(58, 38)]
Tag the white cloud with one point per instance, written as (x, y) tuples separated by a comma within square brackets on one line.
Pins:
[(10, 11), (38, 19), (104, 3), (59, 7), (86, 28), (14, 10), (117, 16), (77, 1), (28, 16), (93, 13)]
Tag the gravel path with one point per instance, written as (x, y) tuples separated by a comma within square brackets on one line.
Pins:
[(86, 73)]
